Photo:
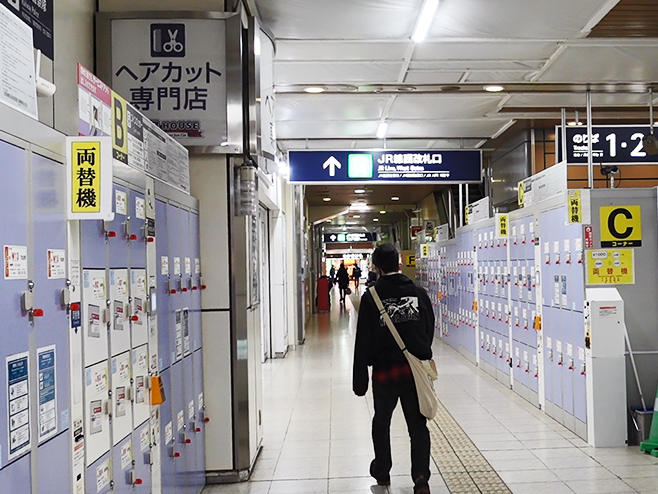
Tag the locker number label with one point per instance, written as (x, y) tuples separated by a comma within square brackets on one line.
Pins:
[(621, 226)]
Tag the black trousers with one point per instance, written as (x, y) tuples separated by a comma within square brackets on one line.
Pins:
[(386, 399)]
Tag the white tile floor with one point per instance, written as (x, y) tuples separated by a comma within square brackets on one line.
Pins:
[(317, 433)]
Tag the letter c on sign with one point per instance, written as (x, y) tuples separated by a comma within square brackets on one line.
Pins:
[(611, 223)]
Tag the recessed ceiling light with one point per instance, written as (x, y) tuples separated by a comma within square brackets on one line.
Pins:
[(395, 198), (356, 216), (375, 219), (223, 144), (350, 222), (328, 221), (327, 199), (315, 89), (494, 89), (360, 191), (383, 211), (573, 123)]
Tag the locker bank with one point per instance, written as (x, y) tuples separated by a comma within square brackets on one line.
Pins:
[(162, 245)]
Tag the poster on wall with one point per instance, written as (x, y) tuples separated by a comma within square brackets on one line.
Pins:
[(17, 77), (94, 105), (47, 393), (38, 15), (18, 404)]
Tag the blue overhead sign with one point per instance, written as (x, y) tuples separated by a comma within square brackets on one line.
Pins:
[(420, 167)]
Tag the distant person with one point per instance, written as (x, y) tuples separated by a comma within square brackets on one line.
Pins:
[(332, 273), (372, 277), (411, 311), (356, 275), (343, 281)]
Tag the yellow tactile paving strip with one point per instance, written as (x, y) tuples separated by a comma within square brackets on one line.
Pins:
[(462, 466)]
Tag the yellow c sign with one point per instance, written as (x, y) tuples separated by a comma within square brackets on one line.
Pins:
[(621, 226)]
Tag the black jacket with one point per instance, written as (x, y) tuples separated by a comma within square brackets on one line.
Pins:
[(411, 311), (343, 278)]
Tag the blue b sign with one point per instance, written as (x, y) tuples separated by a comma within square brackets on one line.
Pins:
[(427, 166)]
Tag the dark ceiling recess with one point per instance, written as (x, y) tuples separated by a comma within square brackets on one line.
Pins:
[(629, 19)]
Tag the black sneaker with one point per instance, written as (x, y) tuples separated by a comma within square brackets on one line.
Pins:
[(421, 486), (381, 479)]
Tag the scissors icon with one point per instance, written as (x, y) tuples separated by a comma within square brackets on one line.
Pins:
[(173, 45)]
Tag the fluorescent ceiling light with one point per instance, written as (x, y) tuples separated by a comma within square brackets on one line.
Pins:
[(223, 144), (315, 89), (360, 191), (328, 221), (359, 207), (382, 211), (350, 222), (395, 198), (375, 219), (381, 130), (327, 199), (425, 20), (494, 89), (356, 216)]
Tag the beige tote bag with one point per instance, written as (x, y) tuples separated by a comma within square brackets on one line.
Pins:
[(424, 371)]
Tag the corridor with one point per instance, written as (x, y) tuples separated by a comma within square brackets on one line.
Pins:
[(317, 432)]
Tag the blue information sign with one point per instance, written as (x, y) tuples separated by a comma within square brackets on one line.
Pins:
[(419, 167)]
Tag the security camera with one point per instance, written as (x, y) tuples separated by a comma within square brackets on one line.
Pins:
[(609, 170), (650, 143)]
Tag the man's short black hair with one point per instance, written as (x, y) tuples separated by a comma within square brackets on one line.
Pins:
[(386, 258)]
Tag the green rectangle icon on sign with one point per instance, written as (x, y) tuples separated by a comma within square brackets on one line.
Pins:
[(360, 166)]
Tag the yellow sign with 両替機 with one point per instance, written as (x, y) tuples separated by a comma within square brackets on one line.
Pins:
[(502, 225), (85, 177), (610, 267), (575, 207)]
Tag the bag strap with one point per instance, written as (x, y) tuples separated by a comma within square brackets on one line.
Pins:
[(387, 319)]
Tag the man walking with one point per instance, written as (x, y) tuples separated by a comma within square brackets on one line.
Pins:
[(411, 311)]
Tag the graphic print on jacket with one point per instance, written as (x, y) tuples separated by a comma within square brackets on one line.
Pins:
[(401, 310)]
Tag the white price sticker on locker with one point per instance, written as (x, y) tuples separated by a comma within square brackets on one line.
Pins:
[(121, 202), (56, 264), (176, 265), (188, 265), (140, 208), (164, 265)]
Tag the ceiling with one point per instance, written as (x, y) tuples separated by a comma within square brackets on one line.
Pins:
[(544, 52)]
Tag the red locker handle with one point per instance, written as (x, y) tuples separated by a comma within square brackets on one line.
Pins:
[(570, 368), (184, 289), (172, 291), (135, 318), (150, 240), (559, 363), (133, 237), (37, 313), (176, 454), (203, 287), (188, 441), (139, 481), (206, 420), (112, 234), (195, 288), (582, 373), (75, 306), (198, 429)]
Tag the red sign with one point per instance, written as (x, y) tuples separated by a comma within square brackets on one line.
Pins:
[(415, 230), (589, 237)]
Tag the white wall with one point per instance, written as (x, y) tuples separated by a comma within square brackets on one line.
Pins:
[(208, 177)]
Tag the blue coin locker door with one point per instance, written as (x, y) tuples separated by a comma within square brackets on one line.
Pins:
[(163, 286), (176, 341), (14, 476), (189, 398), (137, 238), (49, 234), (549, 323), (169, 450), (197, 342)]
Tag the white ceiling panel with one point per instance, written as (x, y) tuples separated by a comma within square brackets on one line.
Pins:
[(604, 63), (484, 50), (431, 77), (325, 129), (336, 72), (498, 76), (443, 65), (437, 107), (311, 107), (538, 19), (446, 128), (576, 100), (340, 19), (339, 50)]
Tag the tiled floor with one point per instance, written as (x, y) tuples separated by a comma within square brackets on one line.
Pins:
[(317, 433)]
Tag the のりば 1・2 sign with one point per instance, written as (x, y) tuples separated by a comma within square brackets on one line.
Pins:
[(89, 178)]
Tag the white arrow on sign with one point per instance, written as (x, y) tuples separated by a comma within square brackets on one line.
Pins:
[(332, 163), (333, 237)]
